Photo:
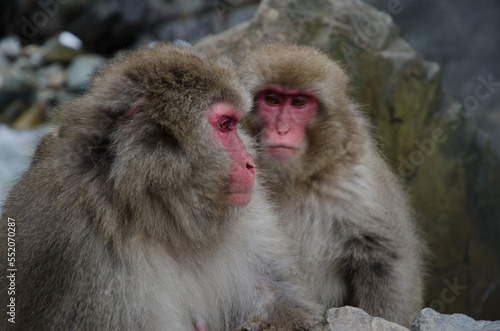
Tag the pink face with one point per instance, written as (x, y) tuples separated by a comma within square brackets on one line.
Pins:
[(223, 119), (285, 114)]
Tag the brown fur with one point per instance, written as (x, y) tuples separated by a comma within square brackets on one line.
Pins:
[(352, 225), (121, 222)]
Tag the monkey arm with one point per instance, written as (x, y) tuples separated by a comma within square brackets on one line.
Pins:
[(382, 273)]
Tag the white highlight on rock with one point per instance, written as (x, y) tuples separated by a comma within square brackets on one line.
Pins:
[(67, 39)]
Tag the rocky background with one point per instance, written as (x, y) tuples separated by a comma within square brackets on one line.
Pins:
[(443, 139)]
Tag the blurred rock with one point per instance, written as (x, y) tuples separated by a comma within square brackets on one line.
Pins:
[(12, 111), (31, 118), (16, 149), (10, 47), (430, 320), (460, 36), (80, 70), (106, 26), (189, 28), (240, 15), (54, 97), (49, 99), (52, 75), (4, 64), (450, 170), (61, 48), (351, 318), (17, 82), (30, 50)]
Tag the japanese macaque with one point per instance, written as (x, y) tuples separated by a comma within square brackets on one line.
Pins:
[(142, 211), (349, 218)]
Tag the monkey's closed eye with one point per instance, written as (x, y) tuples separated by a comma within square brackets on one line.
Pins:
[(272, 100), (298, 102)]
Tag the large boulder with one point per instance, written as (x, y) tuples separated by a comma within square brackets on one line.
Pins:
[(448, 166), (430, 320)]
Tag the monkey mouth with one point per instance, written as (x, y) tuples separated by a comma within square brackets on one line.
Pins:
[(249, 191), (240, 198), (282, 146), (282, 152)]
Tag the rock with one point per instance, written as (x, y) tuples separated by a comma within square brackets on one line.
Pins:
[(449, 168), (240, 15), (16, 150), (462, 47), (80, 70), (49, 98), (351, 318), (107, 26), (30, 50), (189, 28), (17, 82), (10, 47), (61, 48), (52, 75), (4, 64), (30, 118), (12, 111), (430, 320)]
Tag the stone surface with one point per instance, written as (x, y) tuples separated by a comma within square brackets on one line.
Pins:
[(106, 26), (449, 168), (16, 150), (459, 36), (430, 320), (80, 70), (53, 75), (30, 118), (17, 82), (351, 318), (55, 50), (10, 47)]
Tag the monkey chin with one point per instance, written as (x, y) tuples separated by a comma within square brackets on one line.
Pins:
[(239, 199), (283, 153)]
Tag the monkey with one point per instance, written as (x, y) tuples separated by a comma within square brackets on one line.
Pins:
[(355, 233), (143, 210)]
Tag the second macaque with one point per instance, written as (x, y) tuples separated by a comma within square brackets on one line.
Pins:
[(355, 232)]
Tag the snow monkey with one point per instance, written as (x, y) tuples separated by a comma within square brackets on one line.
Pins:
[(142, 211), (349, 218)]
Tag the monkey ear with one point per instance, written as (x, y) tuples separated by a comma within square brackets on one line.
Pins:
[(136, 107), (132, 111)]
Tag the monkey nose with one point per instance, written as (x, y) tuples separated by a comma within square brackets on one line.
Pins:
[(282, 132), (282, 128), (250, 166)]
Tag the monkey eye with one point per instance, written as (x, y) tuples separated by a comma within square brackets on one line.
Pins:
[(298, 102), (227, 125), (272, 100)]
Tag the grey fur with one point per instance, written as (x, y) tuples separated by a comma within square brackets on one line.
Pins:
[(350, 220), (121, 220)]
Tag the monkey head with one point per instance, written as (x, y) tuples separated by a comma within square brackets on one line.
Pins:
[(301, 113), (285, 113), (223, 120), (160, 127)]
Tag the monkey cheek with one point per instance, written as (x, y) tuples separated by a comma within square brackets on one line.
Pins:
[(240, 186)]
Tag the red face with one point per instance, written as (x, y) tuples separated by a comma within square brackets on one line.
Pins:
[(285, 114), (223, 119)]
